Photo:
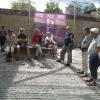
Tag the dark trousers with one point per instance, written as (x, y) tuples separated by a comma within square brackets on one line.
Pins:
[(94, 63), (69, 53), (2, 42)]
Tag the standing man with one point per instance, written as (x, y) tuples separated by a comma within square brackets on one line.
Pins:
[(2, 38), (94, 56), (68, 46), (84, 47)]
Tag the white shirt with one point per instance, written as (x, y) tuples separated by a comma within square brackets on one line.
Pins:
[(48, 39), (87, 40), (93, 45)]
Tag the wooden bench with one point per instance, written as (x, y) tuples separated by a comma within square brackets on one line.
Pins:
[(23, 53), (47, 52)]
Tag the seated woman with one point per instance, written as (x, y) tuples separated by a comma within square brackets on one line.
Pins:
[(49, 42), (22, 42), (36, 42), (11, 44)]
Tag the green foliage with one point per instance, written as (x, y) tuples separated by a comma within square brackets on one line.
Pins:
[(22, 5), (90, 8), (51, 7), (71, 7), (82, 7), (98, 13), (98, 10)]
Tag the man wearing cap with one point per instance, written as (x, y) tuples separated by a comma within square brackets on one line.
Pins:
[(22, 43), (84, 47), (68, 46), (49, 42), (94, 56)]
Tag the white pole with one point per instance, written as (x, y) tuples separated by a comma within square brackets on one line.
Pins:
[(74, 16), (29, 15), (74, 19), (29, 12)]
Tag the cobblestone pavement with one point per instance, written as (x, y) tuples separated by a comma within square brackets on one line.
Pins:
[(44, 80)]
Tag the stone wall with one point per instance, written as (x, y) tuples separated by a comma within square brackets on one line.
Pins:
[(14, 22), (14, 19), (81, 22)]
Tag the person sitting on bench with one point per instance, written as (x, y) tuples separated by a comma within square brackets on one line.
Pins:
[(49, 42), (22, 42), (36, 42), (11, 44)]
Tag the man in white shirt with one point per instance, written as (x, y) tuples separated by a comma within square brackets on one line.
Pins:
[(49, 39), (49, 42), (94, 56)]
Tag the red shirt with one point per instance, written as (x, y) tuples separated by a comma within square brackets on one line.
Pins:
[(36, 39)]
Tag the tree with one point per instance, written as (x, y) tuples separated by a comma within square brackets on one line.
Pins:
[(22, 5), (89, 8), (82, 7), (98, 13), (98, 10), (52, 7), (73, 5)]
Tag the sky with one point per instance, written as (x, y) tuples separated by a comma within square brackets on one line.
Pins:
[(40, 4)]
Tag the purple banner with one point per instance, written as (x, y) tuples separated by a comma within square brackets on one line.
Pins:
[(54, 23)]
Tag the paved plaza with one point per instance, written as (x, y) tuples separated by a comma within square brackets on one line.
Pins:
[(45, 80)]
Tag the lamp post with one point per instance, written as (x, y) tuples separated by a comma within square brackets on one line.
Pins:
[(74, 19), (74, 16), (29, 17), (29, 12)]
